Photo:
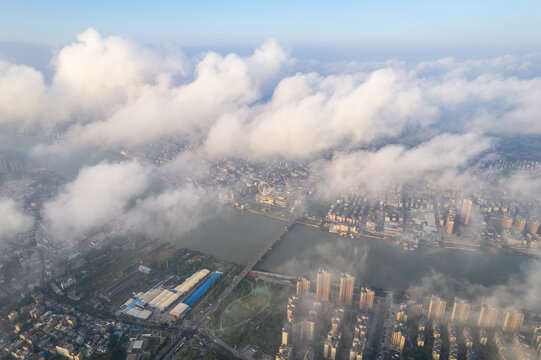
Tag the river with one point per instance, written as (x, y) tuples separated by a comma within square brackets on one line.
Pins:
[(237, 236)]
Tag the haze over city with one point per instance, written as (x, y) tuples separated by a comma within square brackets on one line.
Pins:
[(291, 180)]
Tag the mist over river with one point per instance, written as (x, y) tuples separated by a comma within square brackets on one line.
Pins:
[(237, 236)]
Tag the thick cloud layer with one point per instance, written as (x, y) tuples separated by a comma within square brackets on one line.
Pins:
[(97, 197), (394, 165), (12, 220), (120, 197), (93, 78), (110, 91)]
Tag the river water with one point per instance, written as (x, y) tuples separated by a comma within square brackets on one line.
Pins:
[(237, 236)]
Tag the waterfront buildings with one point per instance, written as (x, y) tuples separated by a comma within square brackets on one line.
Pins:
[(512, 320), (507, 222), (432, 338), (461, 311), (323, 286), (533, 226), (303, 286), (366, 300), (520, 224), (487, 316), (345, 296), (436, 308)]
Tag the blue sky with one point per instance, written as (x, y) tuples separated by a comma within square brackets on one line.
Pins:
[(335, 29)]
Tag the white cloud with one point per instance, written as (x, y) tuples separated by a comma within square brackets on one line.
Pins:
[(170, 213), (110, 91), (22, 92), (12, 220), (309, 113), (96, 198), (121, 197), (93, 78), (393, 165)]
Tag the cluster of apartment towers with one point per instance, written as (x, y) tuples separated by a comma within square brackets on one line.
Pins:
[(511, 320), (299, 329), (520, 225)]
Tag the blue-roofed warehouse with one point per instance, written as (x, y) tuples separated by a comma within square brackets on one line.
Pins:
[(202, 289)]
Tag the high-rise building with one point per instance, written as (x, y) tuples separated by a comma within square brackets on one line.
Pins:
[(507, 222), (450, 222), (483, 337), (468, 338), (520, 224), (303, 286), (512, 320), (436, 308), (286, 336), (421, 339), (461, 311), (453, 351), (309, 329), (337, 319), (535, 342), (345, 296), (465, 211), (487, 316), (304, 330), (361, 326), (323, 287), (451, 332), (399, 335), (436, 349), (285, 352), (366, 301), (533, 226), (357, 349), (290, 308), (330, 345)]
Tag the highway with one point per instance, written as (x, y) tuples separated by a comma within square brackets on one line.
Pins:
[(200, 320)]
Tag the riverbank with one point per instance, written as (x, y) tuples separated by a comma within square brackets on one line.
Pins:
[(397, 243)]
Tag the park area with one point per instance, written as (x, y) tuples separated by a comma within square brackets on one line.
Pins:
[(245, 308), (252, 315)]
